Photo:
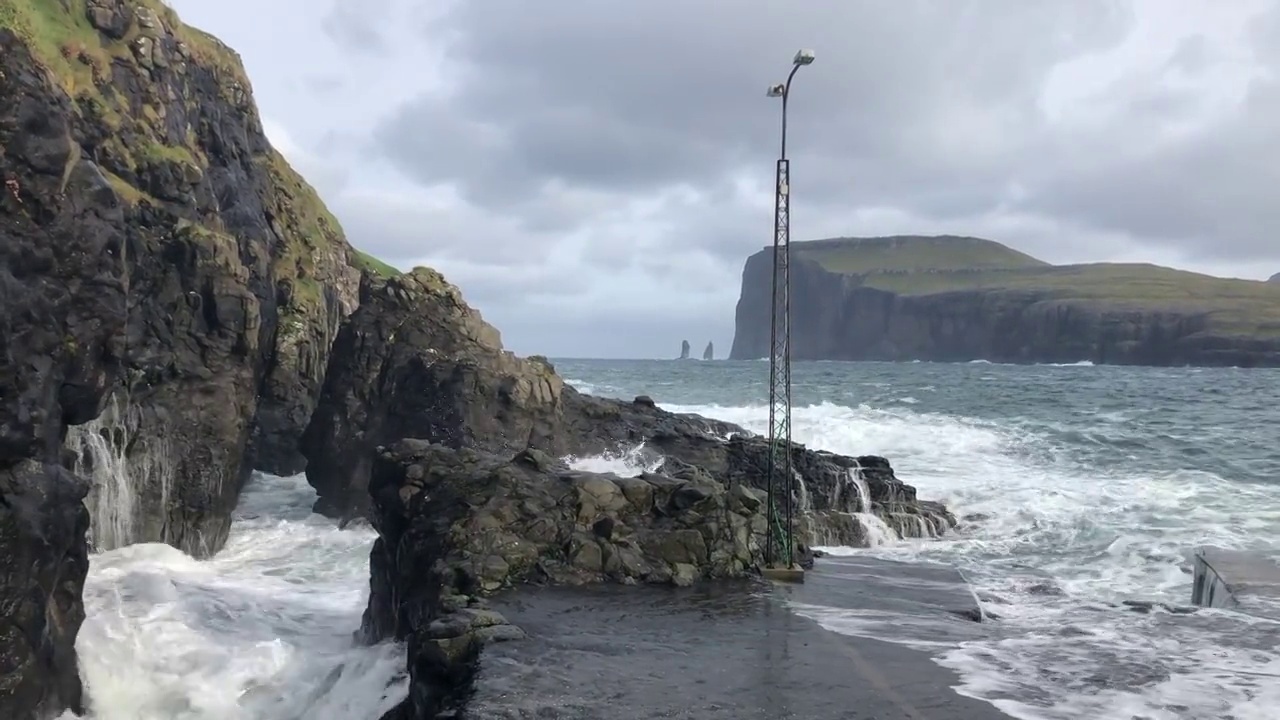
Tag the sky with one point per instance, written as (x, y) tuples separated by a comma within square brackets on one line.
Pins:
[(594, 173)]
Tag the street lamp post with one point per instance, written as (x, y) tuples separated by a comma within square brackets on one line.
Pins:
[(780, 471)]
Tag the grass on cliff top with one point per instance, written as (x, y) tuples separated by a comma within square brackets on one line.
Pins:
[(373, 266), (55, 35), (912, 253), (59, 35), (928, 266)]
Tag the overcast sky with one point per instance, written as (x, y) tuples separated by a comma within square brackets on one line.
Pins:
[(593, 173)]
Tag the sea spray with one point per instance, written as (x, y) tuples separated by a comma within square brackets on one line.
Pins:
[(628, 463), (122, 466)]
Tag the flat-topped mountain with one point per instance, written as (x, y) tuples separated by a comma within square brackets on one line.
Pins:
[(949, 298)]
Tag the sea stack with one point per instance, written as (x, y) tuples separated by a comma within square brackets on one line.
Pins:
[(710, 352), (684, 349)]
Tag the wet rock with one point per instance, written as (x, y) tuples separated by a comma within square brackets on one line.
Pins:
[(62, 318), (147, 229), (477, 523), (237, 281), (416, 361), (1146, 606)]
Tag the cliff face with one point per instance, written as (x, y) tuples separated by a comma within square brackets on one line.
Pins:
[(1022, 316), (169, 290), (236, 276), (62, 315)]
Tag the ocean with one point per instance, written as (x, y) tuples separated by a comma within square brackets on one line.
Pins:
[(1082, 489)]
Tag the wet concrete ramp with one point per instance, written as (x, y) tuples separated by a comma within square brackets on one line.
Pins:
[(1236, 580), (729, 651)]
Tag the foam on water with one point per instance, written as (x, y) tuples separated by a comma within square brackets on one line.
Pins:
[(1053, 546), (261, 630)]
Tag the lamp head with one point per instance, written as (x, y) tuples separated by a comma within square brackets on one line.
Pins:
[(803, 57), (777, 90)]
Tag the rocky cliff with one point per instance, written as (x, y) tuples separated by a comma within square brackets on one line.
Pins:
[(236, 275), (416, 361), (953, 299), (62, 317), (171, 289)]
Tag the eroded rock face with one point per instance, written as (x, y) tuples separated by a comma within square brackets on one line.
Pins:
[(456, 525), (237, 277), (62, 315), (416, 361)]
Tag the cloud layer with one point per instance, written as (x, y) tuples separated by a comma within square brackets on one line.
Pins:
[(593, 173)]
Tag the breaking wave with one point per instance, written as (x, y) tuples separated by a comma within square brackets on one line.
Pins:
[(1076, 533)]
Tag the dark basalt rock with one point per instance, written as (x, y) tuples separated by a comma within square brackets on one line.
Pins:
[(167, 285), (62, 315), (458, 524), (449, 445), (415, 361), (237, 280)]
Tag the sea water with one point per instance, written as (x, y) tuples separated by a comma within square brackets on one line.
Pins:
[(1082, 487)]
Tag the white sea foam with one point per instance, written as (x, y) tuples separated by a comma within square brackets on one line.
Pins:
[(1055, 546), (261, 630)]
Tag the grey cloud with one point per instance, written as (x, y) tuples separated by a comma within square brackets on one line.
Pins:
[(355, 25), (699, 69), (632, 97), (1211, 195), (323, 84), (918, 116)]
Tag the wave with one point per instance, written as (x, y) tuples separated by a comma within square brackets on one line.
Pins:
[(261, 630), (1056, 546)]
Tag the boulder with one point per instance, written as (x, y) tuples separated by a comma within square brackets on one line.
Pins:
[(416, 361)]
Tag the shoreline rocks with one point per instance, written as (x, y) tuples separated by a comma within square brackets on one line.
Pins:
[(449, 445), (456, 525)]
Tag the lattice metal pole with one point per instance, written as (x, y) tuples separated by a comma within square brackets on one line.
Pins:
[(780, 474), (780, 372)]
